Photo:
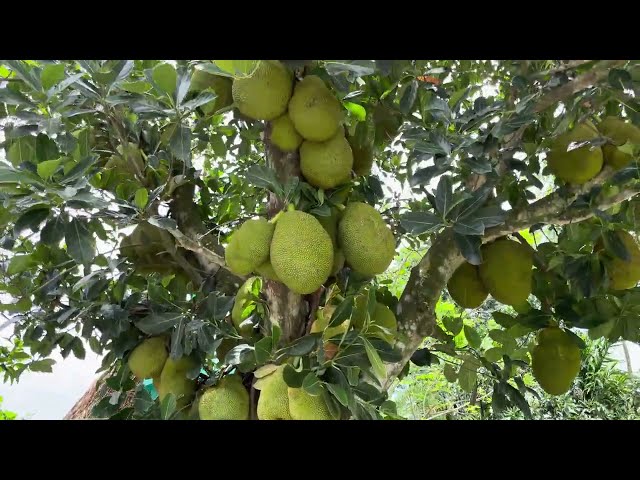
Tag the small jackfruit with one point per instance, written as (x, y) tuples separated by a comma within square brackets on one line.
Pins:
[(284, 135), (555, 361), (366, 241), (148, 358), (506, 271), (249, 246), (273, 403), (227, 400), (264, 94), (466, 287), (301, 252), (173, 379), (579, 165), (624, 274), (304, 406), (326, 164), (314, 110), (150, 249), (201, 80), (620, 132)]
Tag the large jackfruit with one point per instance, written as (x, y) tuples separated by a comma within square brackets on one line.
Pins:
[(555, 361), (620, 132), (366, 241), (173, 379), (326, 164), (301, 252), (506, 271), (148, 358), (624, 274), (304, 406), (284, 135), (579, 165), (244, 298), (466, 287), (314, 110), (264, 94), (249, 246), (201, 80), (273, 403), (227, 400)]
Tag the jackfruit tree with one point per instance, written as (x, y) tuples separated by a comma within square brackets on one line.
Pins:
[(229, 231)]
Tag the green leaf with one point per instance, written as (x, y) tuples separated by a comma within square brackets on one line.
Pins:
[(42, 365), (180, 143), (31, 220), (141, 198), (300, 346), (469, 246), (418, 223), (156, 323), (472, 336), (356, 110), (375, 360), (453, 324), (518, 399), (22, 150), (20, 263), (263, 349), (292, 377), (51, 75), (409, 98), (168, 406), (494, 354), (444, 195), (312, 384), (238, 68), (467, 376), (136, 87), (339, 392), (80, 241), (342, 312), (450, 373), (504, 320), (263, 177), (422, 357), (165, 77), (47, 168)]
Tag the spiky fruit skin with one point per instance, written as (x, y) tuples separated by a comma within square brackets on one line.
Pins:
[(624, 274), (506, 271), (620, 132), (466, 287), (148, 358), (173, 379), (366, 241), (555, 361), (266, 271), (149, 247), (227, 400), (264, 94), (249, 246), (284, 135), (307, 407), (273, 403), (222, 86), (243, 297), (301, 252), (579, 165), (326, 164), (315, 112)]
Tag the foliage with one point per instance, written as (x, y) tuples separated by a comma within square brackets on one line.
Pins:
[(5, 414)]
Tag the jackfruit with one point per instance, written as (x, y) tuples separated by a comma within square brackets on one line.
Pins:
[(301, 252), (248, 246), (266, 271), (579, 165), (284, 135), (506, 271), (243, 299), (314, 110), (222, 86), (620, 132), (555, 361), (148, 358), (173, 379), (227, 400), (304, 406), (273, 403), (264, 94), (326, 164), (466, 287), (382, 324), (149, 248), (624, 274), (366, 241)]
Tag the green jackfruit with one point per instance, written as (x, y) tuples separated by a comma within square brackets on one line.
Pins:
[(148, 358), (466, 287), (314, 110), (506, 271), (264, 94), (579, 165), (244, 298), (301, 252), (284, 135), (366, 241), (173, 379), (222, 86), (273, 403), (304, 406), (620, 132), (150, 249), (227, 400), (249, 246), (624, 274), (555, 361), (326, 164)]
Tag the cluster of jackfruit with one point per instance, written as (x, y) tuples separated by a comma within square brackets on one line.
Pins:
[(579, 165), (302, 251), (505, 273)]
